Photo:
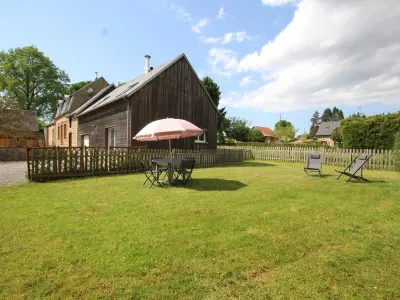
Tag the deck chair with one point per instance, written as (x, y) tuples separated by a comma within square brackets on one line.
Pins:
[(314, 164), (358, 164), (185, 170), (151, 174)]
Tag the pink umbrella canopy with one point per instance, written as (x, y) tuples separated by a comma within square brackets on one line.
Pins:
[(168, 129)]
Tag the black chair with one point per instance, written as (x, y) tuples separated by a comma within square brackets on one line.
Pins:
[(358, 164), (152, 175), (314, 164), (185, 170), (162, 169)]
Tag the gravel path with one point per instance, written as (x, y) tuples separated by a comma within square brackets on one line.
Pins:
[(12, 172)]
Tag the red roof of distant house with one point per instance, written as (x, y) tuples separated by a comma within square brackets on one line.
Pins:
[(265, 131)]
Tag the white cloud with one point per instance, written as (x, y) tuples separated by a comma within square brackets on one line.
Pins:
[(181, 13), (210, 40), (202, 23), (279, 2), (221, 13), (247, 80), (333, 52), (228, 38)]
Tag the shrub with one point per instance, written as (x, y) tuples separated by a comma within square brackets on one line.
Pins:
[(375, 132), (397, 152)]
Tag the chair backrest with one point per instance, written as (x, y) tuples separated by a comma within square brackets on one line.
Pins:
[(188, 163), (314, 161), (359, 163), (143, 165)]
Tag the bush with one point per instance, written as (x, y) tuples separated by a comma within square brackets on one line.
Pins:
[(397, 152), (375, 132)]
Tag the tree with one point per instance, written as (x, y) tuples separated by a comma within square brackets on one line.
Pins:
[(336, 136), (285, 134), (213, 89), (238, 129), (285, 131), (337, 114), (315, 121), (31, 80), (282, 123), (255, 135), (76, 87), (326, 115)]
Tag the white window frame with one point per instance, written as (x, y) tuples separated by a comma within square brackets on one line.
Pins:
[(83, 139), (202, 139), (109, 136)]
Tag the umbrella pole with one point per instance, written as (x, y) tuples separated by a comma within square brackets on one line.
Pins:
[(170, 152)]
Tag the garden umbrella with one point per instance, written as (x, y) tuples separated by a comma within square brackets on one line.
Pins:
[(168, 129)]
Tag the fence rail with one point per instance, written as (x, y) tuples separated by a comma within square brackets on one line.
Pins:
[(57, 162), (380, 160)]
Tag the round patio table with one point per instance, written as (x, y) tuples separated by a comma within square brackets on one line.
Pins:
[(170, 162)]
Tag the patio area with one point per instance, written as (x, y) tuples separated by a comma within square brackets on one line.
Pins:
[(258, 230)]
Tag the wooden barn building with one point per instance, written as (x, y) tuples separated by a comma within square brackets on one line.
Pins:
[(172, 90)]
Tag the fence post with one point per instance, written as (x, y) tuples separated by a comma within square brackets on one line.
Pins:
[(28, 165)]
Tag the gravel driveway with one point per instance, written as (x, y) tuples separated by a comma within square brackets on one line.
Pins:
[(12, 172)]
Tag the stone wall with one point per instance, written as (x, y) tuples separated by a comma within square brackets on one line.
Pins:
[(12, 154)]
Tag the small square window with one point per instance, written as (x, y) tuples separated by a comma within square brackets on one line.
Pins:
[(202, 138)]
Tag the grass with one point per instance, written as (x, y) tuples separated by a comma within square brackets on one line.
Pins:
[(255, 231)]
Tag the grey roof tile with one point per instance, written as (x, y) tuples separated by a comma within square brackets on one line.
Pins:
[(130, 87), (326, 128)]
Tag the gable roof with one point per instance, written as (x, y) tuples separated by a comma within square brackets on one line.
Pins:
[(130, 87), (64, 106), (96, 97), (326, 128), (265, 131)]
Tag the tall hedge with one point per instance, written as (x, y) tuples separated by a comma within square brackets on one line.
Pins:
[(397, 151), (375, 132)]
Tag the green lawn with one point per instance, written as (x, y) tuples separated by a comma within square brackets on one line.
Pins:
[(255, 231)]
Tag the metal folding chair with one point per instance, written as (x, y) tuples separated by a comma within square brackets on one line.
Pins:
[(152, 175)]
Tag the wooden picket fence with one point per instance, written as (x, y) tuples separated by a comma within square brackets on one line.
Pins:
[(58, 162), (380, 160)]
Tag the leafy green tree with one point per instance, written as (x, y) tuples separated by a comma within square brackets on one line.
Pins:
[(285, 134), (212, 89), (31, 80), (76, 87), (374, 132), (282, 123), (336, 136), (397, 151), (255, 135), (315, 121), (326, 115), (238, 129)]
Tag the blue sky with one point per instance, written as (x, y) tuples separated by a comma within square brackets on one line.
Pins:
[(270, 57)]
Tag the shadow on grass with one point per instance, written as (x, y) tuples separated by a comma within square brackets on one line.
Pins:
[(255, 164), (215, 184)]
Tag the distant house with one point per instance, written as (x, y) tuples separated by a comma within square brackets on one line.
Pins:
[(172, 90), (324, 132), (27, 135), (63, 130), (268, 134)]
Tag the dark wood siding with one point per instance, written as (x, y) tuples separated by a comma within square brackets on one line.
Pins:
[(95, 124), (175, 93)]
